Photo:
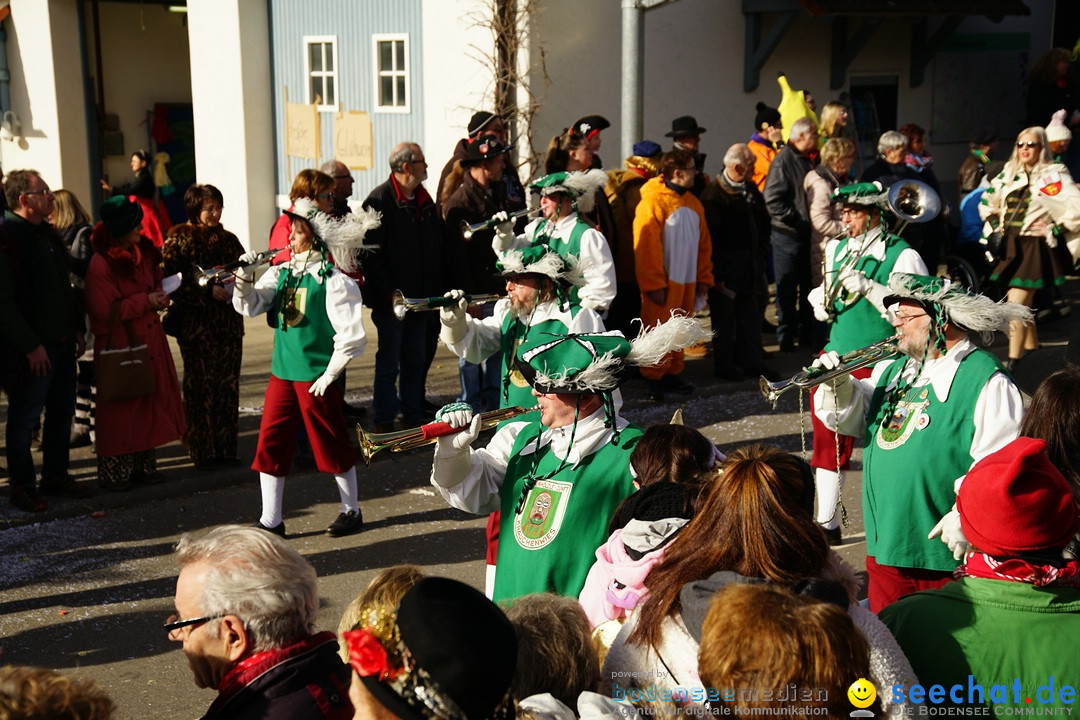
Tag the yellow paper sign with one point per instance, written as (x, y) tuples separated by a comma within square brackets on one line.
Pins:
[(302, 130), (352, 139)]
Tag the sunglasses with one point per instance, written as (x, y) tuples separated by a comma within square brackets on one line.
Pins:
[(1028, 144)]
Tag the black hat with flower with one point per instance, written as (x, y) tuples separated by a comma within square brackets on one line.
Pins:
[(448, 653)]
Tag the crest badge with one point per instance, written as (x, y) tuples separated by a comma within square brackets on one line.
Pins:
[(1050, 184), (907, 418), (544, 509)]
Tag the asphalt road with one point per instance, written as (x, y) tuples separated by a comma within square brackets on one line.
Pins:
[(85, 587)]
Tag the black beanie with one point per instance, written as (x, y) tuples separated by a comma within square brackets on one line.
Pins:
[(658, 501), (765, 116)]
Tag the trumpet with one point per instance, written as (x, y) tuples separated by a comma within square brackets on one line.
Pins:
[(467, 229), (404, 305), (811, 376), (221, 274), (403, 440)]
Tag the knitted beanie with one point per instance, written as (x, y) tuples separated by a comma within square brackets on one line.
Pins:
[(765, 116), (1057, 130), (658, 501), (1015, 501)]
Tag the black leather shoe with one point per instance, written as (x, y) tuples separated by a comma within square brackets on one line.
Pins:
[(278, 529), (27, 500), (65, 487), (653, 391), (833, 536), (346, 524)]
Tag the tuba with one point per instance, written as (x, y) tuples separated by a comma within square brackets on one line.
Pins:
[(811, 376), (403, 440)]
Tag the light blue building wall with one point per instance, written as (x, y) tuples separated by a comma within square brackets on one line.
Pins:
[(352, 24)]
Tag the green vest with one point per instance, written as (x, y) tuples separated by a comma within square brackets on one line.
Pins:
[(564, 248), (910, 465), (858, 322), (303, 335), (551, 545), (515, 389)]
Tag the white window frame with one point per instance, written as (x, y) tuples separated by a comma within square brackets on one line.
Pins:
[(330, 40), (376, 38)]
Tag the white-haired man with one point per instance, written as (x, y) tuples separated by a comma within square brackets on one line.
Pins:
[(927, 417), (245, 612)]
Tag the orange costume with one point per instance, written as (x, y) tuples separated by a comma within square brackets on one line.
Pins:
[(672, 250)]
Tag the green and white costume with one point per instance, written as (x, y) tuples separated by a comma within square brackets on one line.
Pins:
[(551, 544), (959, 409)]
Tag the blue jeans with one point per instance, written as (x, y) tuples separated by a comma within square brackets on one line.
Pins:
[(481, 383), (791, 264), (27, 397), (399, 367)]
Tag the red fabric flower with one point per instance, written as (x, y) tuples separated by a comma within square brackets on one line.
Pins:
[(368, 656)]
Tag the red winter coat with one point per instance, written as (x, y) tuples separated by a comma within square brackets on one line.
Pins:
[(141, 423)]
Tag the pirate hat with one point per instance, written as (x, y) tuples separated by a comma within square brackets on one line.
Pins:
[(579, 186), (448, 653), (591, 125), (343, 238), (864, 194), (539, 260), (482, 148)]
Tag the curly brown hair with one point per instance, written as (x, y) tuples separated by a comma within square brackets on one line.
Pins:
[(28, 693)]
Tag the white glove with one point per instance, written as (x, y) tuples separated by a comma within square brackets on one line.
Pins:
[(839, 389), (337, 364), (452, 317), (504, 232), (827, 361), (1051, 238), (857, 282), (948, 528), (459, 442), (246, 274), (817, 301), (250, 259)]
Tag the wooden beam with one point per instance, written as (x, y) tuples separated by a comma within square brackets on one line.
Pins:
[(923, 50), (844, 48), (758, 50)]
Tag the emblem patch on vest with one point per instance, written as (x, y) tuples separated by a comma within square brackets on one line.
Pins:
[(907, 418), (515, 376), (545, 508), (295, 306)]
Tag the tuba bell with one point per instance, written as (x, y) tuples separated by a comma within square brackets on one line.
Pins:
[(913, 201)]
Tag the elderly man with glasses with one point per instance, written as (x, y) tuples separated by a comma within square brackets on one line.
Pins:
[(926, 417), (245, 612), (41, 335)]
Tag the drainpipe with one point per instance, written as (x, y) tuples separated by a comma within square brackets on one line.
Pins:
[(5, 75), (633, 74)]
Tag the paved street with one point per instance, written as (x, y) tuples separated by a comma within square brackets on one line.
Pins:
[(86, 586)]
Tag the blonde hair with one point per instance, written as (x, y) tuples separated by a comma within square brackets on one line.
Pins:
[(795, 640), (68, 211), (836, 149), (382, 595), (28, 693), (830, 116)]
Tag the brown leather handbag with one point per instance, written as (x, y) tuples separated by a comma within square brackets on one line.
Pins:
[(122, 373)]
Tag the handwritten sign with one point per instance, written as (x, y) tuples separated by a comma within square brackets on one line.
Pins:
[(302, 130), (352, 139)]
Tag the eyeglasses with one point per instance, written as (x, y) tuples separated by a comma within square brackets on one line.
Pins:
[(172, 623), (1028, 144), (903, 319), (46, 191)]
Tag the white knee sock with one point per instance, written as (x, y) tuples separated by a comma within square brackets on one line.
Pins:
[(273, 489), (346, 485), (827, 483)]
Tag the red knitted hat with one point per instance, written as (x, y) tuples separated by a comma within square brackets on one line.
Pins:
[(1015, 501)]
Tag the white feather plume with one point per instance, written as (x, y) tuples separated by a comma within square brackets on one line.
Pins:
[(585, 185), (974, 313), (342, 238), (651, 345)]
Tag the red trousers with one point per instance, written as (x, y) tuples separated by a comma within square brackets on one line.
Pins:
[(887, 584), (824, 439), (286, 404)]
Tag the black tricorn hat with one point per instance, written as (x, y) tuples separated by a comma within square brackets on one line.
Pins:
[(484, 147), (590, 125)]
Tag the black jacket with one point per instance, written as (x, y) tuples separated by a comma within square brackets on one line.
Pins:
[(472, 261), (739, 226), (410, 253), (303, 681), (785, 197)]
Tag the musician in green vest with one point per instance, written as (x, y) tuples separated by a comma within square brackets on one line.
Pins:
[(926, 417), (558, 479), (856, 273), (562, 230)]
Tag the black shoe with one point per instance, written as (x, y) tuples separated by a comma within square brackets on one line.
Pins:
[(65, 487), (346, 524), (675, 384), (206, 466), (26, 499), (653, 391), (787, 346), (278, 529), (80, 439), (729, 374), (115, 485), (833, 536), (145, 478)]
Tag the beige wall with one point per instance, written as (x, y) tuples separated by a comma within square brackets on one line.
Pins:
[(42, 40), (233, 120)]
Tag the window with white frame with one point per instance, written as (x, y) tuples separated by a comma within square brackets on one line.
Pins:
[(391, 72), (321, 70)]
